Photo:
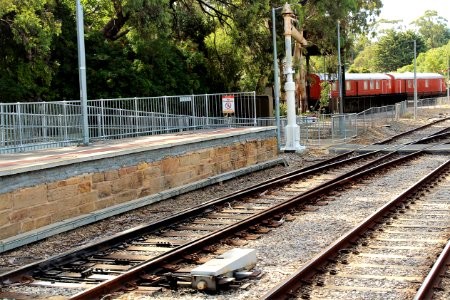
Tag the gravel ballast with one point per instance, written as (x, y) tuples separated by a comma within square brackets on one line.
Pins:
[(308, 234)]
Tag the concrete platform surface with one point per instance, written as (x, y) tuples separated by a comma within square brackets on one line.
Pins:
[(48, 158)]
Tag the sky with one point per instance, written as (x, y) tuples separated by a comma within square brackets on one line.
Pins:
[(410, 10)]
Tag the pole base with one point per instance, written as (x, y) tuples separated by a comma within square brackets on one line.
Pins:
[(298, 150), (292, 136)]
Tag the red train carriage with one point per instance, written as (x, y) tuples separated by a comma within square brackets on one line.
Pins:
[(428, 84), (365, 90), (364, 84)]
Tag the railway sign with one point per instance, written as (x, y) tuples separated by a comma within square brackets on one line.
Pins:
[(185, 99), (228, 104)]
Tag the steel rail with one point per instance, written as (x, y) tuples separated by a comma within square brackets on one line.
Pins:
[(287, 287), (385, 141), (133, 275), (119, 238), (89, 249), (436, 136), (434, 278)]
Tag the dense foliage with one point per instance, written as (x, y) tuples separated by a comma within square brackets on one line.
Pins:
[(394, 49), (156, 47), (435, 60)]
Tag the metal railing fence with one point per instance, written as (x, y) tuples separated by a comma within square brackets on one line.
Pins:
[(48, 123), (110, 118), (28, 126), (325, 129), (318, 129), (36, 125)]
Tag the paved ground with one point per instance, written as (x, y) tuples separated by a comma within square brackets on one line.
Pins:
[(47, 158)]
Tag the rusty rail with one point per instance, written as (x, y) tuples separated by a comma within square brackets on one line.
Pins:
[(385, 141), (134, 274), (287, 287), (89, 249), (433, 278)]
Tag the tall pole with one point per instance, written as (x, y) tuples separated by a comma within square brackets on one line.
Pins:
[(82, 72), (341, 104), (340, 75), (276, 81), (292, 130), (415, 82), (448, 79)]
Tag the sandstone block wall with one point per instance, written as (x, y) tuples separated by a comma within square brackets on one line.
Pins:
[(31, 207)]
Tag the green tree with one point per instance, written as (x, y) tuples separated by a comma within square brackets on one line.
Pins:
[(432, 61), (365, 62), (433, 28), (320, 20), (28, 29), (155, 47), (324, 95), (396, 49)]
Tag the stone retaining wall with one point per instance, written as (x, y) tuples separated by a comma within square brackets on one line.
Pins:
[(25, 208)]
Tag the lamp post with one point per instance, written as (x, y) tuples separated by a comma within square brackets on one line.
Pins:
[(448, 79), (292, 130), (341, 104), (341, 94), (82, 71), (276, 79), (415, 82)]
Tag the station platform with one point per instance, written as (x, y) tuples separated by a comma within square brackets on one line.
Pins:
[(53, 157), (403, 149), (49, 191)]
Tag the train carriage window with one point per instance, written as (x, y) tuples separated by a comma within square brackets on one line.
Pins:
[(427, 84), (377, 84), (410, 84), (365, 84), (348, 86), (371, 84)]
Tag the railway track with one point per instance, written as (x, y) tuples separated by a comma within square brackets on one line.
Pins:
[(437, 283), (385, 257), (170, 262), (100, 262), (111, 266), (430, 131), (153, 248)]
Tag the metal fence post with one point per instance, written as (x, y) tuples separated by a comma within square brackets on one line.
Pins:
[(102, 108), (2, 124), (136, 115), (194, 123), (207, 110), (99, 125), (65, 120), (19, 119), (254, 108), (121, 123), (166, 113), (60, 125), (44, 123)]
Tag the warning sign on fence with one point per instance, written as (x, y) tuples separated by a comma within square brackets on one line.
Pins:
[(228, 104)]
